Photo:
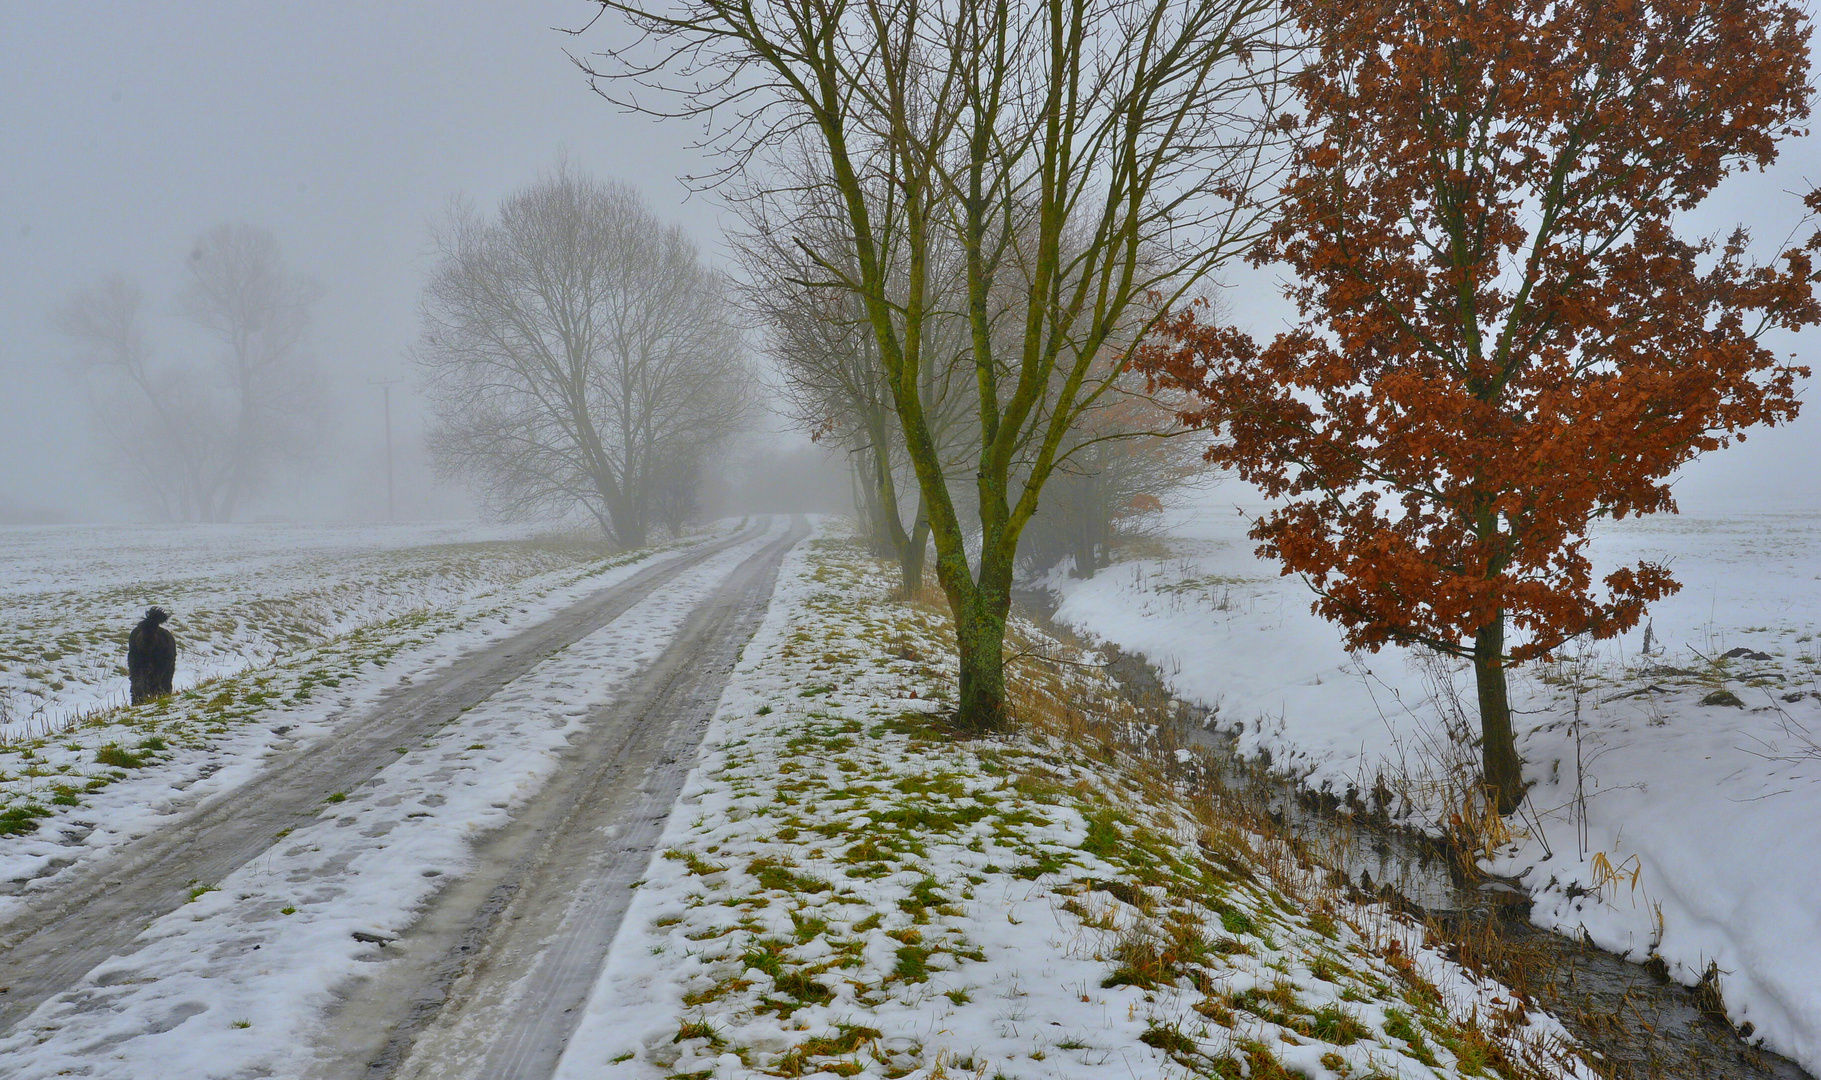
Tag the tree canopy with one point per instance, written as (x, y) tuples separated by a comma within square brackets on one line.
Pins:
[(1504, 335), (1073, 160)]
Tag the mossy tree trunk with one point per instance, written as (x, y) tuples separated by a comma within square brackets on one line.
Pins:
[(906, 546), (911, 559), (980, 641), (990, 169)]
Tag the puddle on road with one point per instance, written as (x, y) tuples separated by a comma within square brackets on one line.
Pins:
[(1639, 1024)]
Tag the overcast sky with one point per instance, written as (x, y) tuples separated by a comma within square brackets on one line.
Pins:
[(344, 128), (126, 129)]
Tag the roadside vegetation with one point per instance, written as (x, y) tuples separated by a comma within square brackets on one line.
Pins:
[(1672, 769), (855, 887)]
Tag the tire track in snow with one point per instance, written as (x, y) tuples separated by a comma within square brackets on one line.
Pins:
[(495, 976), (98, 913)]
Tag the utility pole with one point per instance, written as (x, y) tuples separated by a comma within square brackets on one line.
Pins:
[(385, 386)]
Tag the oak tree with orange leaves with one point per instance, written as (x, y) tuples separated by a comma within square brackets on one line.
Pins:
[(1503, 336)]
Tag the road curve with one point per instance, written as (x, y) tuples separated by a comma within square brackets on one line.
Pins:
[(101, 909)]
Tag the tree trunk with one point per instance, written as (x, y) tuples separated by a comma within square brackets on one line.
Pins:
[(897, 540), (628, 524), (911, 559), (1502, 771), (1085, 563), (980, 641), (866, 496)]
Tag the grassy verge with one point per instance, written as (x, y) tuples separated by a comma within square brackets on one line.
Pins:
[(856, 890)]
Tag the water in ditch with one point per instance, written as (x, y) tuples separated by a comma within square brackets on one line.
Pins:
[(1637, 1023)]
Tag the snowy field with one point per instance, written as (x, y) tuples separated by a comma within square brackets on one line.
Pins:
[(238, 595), (73, 790), (1659, 824), (233, 983)]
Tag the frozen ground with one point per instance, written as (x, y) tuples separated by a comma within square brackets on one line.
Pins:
[(75, 789), (840, 890), (238, 595), (843, 891), (1659, 825), (234, 983)]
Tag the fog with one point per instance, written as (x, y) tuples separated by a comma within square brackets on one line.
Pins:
[(345, 129)]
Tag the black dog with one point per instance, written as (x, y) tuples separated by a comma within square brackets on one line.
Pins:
[(151, 657)]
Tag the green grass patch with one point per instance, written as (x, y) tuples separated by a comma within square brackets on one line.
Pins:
[(116, 756), (21, 818)]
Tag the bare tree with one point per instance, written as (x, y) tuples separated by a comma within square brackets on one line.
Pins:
[(578, 353), (676, 488), (1125, 457), (159, 443), (239, 290), (1080, 156), (196, 442), (834, 388), (834, 383)]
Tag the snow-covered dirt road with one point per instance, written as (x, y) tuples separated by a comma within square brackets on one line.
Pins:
[(214, 945), (492, 982)]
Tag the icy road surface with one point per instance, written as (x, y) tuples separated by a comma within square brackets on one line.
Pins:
[(444, 861)]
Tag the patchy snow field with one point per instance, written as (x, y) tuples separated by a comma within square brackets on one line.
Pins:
[(238, 595), (1677, 806), (78, 791), (845, 890), (232, 984)]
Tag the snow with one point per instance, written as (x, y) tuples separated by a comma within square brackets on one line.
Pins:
[(233, 983), (238, 594), (83, 810), (839, 891), (1686, 831), (983, 933)]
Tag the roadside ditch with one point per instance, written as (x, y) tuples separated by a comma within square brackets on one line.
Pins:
[(1637, 1023)]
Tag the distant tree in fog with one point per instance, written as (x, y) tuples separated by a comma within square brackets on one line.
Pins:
[(1123, 459), (834, 388), (676, 488), (578, 354), (833, 381), (196, 441)]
